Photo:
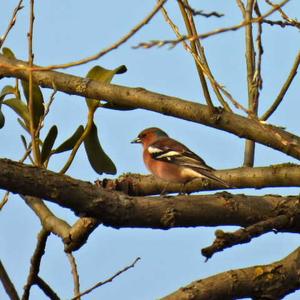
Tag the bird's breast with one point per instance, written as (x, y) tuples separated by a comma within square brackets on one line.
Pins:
[(169, 171)]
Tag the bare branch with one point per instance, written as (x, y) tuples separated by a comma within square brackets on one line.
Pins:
[(117, 209), (198, 53), (34, 134), (107, 280), (283, 90), (4, 200), (282, 175), (35, 262), (79, 233), (290, 21), (194, 50), (272, 281), (48, 220), (7, 284), (226, 240), (282, 24), (211, 33), (11, 23), (114, 46), (46, 288), (200, 12), (75, 275), (270, 136), (253, 91)]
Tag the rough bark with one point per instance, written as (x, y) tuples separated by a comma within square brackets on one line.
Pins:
[(272, 282), (117, 209), (283, 175), (252, 129)]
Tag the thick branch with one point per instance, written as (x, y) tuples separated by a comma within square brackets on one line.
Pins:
[(252, 129), (117, 209), (283, 175), (272, 281)]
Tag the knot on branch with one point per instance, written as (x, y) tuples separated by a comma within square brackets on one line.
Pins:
[(168, 219)]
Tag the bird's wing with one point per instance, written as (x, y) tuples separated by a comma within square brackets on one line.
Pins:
[(169, 150), (172, 151)]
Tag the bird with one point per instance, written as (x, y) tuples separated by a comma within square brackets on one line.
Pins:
[(172, 161)]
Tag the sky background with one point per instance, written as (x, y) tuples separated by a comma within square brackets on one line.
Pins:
[(70, 30)]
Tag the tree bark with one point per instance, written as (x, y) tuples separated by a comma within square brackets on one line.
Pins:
[(272, 281), (252, 129), (116, 209)]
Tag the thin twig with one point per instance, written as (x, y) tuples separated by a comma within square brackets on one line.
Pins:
[(282, 24), (214, 83), (283, 90), (43, 285), (114, 46), (4, 200), (199, 12), (202, 58), (289, 20), (253, 91), (34, 137), (107, 280), (203, 36), (35, 262), (241, 7), (75, 275), (11, 23), (46, 111), (190, 26), (87, 129), (7, 284), (260, 51)]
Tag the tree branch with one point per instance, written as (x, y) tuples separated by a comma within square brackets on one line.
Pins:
[(7, 284), (272, 281), (283, 175), (11, 23), (226, 240), (284, 89), (268, 135), (46, 288), (117, 209), (107, 280), (35, 262), (75, 275)]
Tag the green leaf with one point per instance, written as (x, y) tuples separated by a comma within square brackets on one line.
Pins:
[(7, 90), (102, 75), (8, 53), (48, 143), (19, 107), (38, 101), (23, 125), (71, 141), (23, 139), (98, 159)]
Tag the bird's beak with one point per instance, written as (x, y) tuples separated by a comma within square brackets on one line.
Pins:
[(136, 141)]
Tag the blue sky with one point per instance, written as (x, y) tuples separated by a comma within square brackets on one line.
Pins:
[(71, 30)]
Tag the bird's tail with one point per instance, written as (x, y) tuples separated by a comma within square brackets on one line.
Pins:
[(210, 175)]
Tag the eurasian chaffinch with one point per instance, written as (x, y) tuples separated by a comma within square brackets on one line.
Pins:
[(172, 161)]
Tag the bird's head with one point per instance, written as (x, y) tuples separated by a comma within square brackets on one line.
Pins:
[(149, 136)]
